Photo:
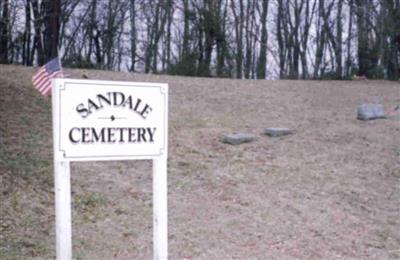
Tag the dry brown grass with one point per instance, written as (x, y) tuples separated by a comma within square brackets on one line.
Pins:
[(332, 190)]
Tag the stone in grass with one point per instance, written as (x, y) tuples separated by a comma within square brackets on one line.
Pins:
[(238, 138), (278, 131), (370, 111)]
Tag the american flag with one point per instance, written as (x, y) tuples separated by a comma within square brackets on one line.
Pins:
[(42, 79)]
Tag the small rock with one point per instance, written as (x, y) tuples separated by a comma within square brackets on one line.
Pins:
[(238, 138), (119, 212), (277, 131), (370, 111)]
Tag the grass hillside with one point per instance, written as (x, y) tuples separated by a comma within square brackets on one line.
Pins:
[(331, 190)]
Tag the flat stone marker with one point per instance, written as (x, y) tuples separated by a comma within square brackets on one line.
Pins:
[(277, 131), (238, 138), (370, 111)]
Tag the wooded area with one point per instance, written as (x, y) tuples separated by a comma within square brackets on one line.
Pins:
[(286, 39)]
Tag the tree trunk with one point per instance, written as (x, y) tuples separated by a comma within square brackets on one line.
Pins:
[(26, 49), (391, 35), (221, 40), (296, 42), (349, 38), (249, 38), (40, 58), (320, 40), (4, 33), (91, 30), (155, 31), (239, 36), (110, 34), (154, 47), (120, 46), (51, 17), (168, 38), (362, 35), (338, 49), (200, 43), (279, 36), (132, 9), (262, 60), (210, 34), (304, 37), (186, 33)]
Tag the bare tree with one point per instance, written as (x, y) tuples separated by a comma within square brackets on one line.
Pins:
[(4, 32), (156, 19), (362, 27), (133, 33), (280, 31), (91, 31), (26, 52), (37, 42), (51, 13), (239, 21), (349, 40), (339, 39), (262, 60), (166, 50), (249, 27), (222, 50), (305, 31)]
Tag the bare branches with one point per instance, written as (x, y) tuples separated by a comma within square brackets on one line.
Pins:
[(224, 38)]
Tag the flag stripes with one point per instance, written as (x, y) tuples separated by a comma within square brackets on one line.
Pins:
[(42, 79)]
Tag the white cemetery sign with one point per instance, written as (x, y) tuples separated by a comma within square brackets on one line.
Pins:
[(109, 120)]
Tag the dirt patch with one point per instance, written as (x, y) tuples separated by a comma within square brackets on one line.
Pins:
[(331, 190)]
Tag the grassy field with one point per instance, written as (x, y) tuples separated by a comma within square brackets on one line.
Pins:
[(331, 190)]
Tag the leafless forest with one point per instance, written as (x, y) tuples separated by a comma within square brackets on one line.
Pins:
[(296, 39)]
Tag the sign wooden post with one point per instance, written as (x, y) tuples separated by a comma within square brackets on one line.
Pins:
[(107, 120), (63, 210), (160, 225)]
